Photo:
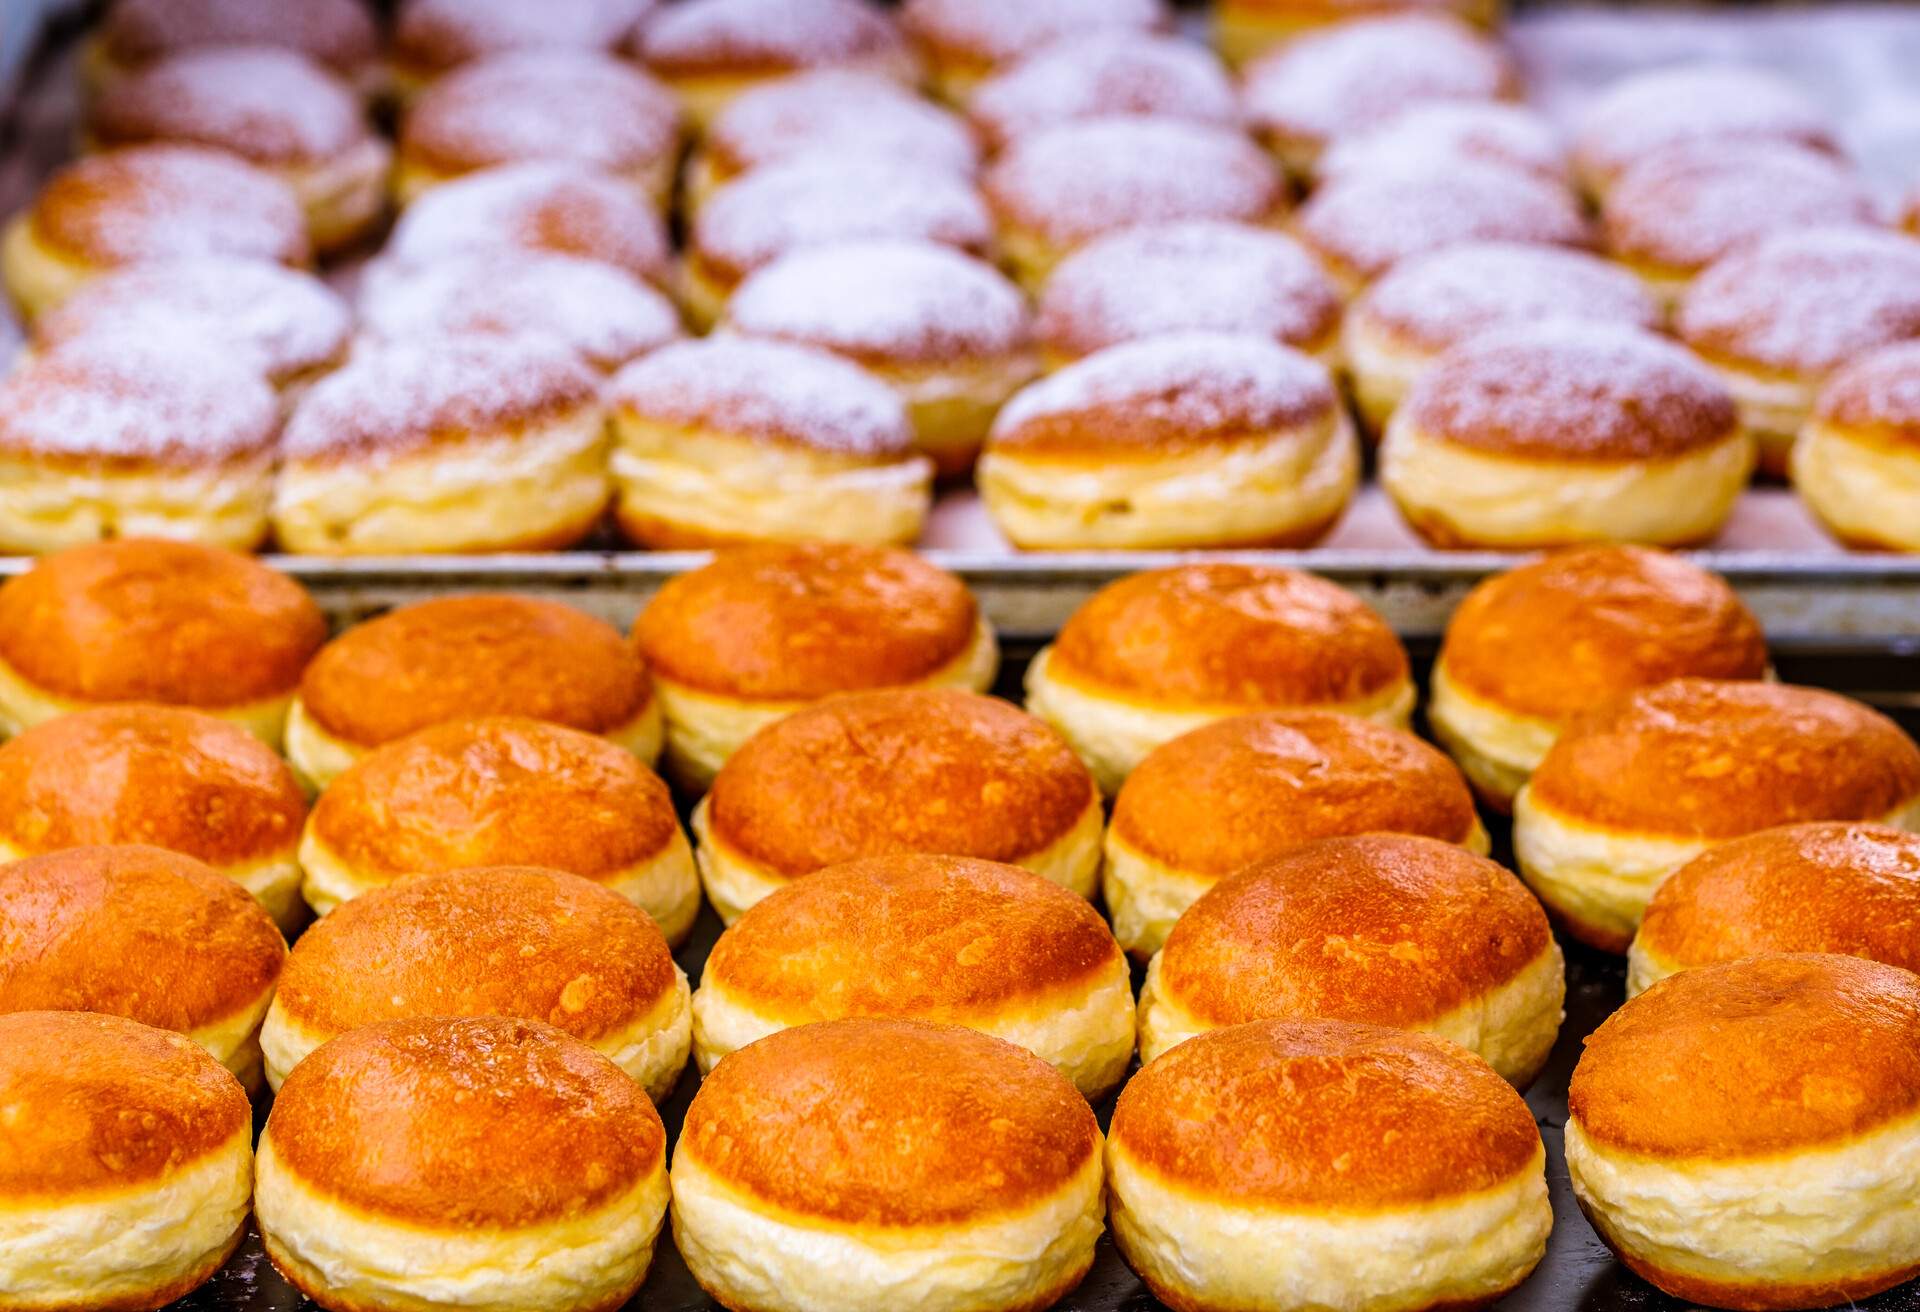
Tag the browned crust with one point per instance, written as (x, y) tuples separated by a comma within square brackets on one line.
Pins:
[(386, 1119), (901, 770), (454, 657), (1324, 1114), (1708, 758), (1133, 427), (102, 1103), (500, 941), (935, 937), (337, 32), (1753, 1058), (1383, 928), (1250, 636), (1567, 633), (891, 1123), (1873, 400), (147, 620), (796, 622), (1226, 795), (140, 773)]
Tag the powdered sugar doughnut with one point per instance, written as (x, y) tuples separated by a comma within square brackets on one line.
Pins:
[(1112, 74), (963, 41), (430, 37), (1244, 30), (1857, 462), (338, 33), (1501, 135)]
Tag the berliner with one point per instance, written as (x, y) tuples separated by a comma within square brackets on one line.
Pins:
[(1154, 655), (1634, 790), (1531, 650), (1057, 190), (934, 770), (1217, 799), (1424, 307), (711, 51), (939, 938), (1117, 73), (455, 658), (542, 105), (140, 204), (339, 33), (963, 42), (142, 933), (127, 1163), (1364, 224), (1857, 462), (434, 37), (1825, 887), (947, 332), (502, 790), (454, 444), (1195, 276), (1677, 211), (1244, 30), (866, 1165), (819, 200), (1356, 76), (1702, 103), (553, 208), (1188, 440), (763, 631), (731, 440), (144, 620), (114, 436), (1298, 1164), (159, 775), (602, 313), (1557, 433), (1777, 317), (479, 1161), (1747, 1135), (1468, 131), (1384, 929), (274, 108), (495, 941)]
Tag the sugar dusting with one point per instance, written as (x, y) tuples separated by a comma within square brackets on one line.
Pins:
[(1509, 136), (158, 202), (1108, 74), (264, 103), (337, 32), (442, 33), (1694, 102), (767, 34), (1881, 388), (850, 114), (545, 104), (999, 30)]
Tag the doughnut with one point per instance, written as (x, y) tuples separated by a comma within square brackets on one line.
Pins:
[(1356, 76), (1558, 433), (1154, 655), (384, 1184), (163, 776), (1467, 131), (712, 51), (1531, 650), (1634, 790), (805, 201), (1189, 440), (763, 631), (1856, 464), (1675, 212), (492, 941), (433, 37), (146, 620), (128, 1165), (1296, 1164), (140, 204), (731, 440), (1244, 30), (1777, 317), (947, 332), (497, 791), (142, 933), (1057, 190), (934, 770), (1748, 1135), (1195, 276), (1218, 798), (867, 1165), (541, 106), (114, 436), (460, 444), (1827, 887), (938, 938), (338, 33), (455, 658), (1382, 929), (274, 108), (1116, 73), (963, 42), (1423, 307)]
